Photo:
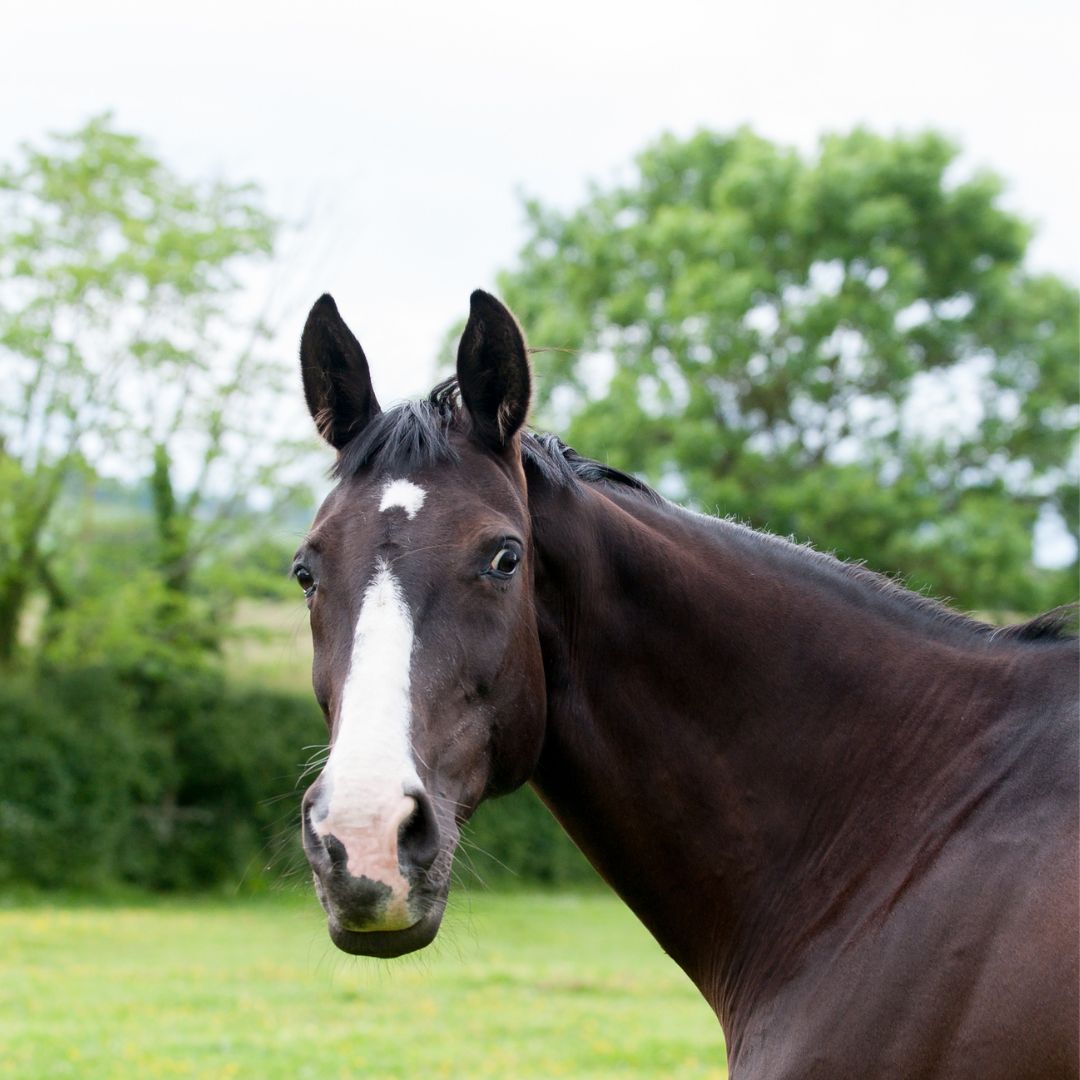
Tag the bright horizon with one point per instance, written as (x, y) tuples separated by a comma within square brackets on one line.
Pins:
[(402, 137)]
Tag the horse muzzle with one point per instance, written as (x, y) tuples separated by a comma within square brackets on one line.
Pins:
[(373, 870)]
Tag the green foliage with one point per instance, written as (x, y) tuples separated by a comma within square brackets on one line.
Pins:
[(165, 777), (167, 783), (68, 775), (123, 355), (515, 841), (258, 568), (229, 797), (135, 623), (846, 348)]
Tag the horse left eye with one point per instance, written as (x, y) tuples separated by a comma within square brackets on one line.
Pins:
[(506, 560)]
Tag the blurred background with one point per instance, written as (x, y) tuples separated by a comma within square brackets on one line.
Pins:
[(812, 266)]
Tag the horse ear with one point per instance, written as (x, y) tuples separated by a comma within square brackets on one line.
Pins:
[(493, 372), (337, 382)]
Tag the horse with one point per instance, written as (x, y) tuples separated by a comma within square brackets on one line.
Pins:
[(846, 811)]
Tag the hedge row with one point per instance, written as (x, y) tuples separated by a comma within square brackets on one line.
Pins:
[(190, 784)]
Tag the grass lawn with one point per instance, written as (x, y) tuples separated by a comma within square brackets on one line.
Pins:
[(517, 985)]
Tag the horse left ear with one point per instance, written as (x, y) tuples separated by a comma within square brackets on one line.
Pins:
[(493, 372)]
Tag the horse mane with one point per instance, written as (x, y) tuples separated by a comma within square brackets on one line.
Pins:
[(564, 466), (1055, 625), (417, 434)]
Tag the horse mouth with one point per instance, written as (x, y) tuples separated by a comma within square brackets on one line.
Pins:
[(347, 932), (386, 944)]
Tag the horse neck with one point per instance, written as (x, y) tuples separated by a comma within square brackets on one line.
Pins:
[(715, 716)]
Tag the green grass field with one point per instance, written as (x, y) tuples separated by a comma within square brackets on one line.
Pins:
[(517, 985)]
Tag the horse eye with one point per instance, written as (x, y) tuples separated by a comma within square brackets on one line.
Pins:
[(307, 582), (506, 560)]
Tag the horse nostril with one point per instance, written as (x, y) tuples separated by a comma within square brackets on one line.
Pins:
[(336, 850), (418, 834)]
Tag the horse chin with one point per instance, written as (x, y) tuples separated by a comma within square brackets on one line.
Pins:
[(386, 944)]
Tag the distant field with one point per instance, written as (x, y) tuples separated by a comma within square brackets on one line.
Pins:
[(517, 986), (270, 645)]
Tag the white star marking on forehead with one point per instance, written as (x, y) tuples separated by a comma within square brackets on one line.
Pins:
[(404, 494)]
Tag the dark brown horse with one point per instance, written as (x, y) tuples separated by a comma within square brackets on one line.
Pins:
[(847, 812)]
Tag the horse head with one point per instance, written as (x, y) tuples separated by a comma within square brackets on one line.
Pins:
[(418, 575)]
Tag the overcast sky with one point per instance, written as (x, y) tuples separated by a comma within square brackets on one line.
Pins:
[(402, 133)]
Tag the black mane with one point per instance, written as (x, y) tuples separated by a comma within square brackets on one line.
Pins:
[(416, 434)]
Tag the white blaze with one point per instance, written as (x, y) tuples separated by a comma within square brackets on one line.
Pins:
[(405, 494), (371, 765)]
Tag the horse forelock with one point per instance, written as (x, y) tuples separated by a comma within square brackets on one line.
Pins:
[(412, 435)]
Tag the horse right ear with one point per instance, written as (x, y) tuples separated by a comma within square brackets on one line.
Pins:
[(337, 382)]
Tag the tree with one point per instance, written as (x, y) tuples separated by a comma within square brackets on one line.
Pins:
[(124, 353), (845, 347)]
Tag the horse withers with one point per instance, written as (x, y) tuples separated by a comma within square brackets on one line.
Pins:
[(849, 813)]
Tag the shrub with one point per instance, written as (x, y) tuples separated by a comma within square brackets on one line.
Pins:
[(68, 778), (183, 782), (515, 840)]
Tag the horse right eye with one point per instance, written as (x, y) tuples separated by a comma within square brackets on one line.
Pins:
[(307, 581)]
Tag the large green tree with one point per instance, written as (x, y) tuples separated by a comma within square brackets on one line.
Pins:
[(845, 346), (126, 350)]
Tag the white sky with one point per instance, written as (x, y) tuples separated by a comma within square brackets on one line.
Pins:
[(402, 133)]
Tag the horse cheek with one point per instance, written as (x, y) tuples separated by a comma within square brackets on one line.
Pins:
[(517, 732)]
